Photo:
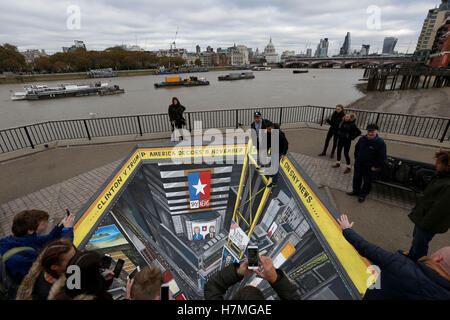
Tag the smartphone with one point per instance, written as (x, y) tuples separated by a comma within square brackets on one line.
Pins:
[(131, 275), (118, 268), (253, 257), (164, 292), (68, 212)]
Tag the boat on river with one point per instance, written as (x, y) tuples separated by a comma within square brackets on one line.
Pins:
[(237, 76), (37, 92), (184, 82)]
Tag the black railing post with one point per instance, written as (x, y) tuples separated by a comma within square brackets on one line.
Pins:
[(378, 117), (139, 123), (445, 131), (87, 130), (323, 114), (189, 120), (237, 119), (29, 138), (281, 114)]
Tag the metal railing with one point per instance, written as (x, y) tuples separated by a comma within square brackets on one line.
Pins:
[(30, 136)]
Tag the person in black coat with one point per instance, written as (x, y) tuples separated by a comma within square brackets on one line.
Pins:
[(348, 131), (177, 120), (334, 122), (401, 278), (370, 155), (258, 124), (283, 146)]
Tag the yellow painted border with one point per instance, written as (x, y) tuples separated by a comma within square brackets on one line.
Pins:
[(90, 217), (353, 263)]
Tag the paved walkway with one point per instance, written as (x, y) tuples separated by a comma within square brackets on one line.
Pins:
[(70, 194)]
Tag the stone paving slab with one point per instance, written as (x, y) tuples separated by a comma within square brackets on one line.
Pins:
[(70, 194), (75, 192)]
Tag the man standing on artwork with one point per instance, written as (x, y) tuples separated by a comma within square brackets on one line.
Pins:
[(258, 124), (283, 145), (197, 235), (211, 234)]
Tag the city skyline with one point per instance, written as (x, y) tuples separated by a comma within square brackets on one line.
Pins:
[(293, 25)]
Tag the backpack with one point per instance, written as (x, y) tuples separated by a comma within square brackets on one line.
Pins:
[(8, 286)]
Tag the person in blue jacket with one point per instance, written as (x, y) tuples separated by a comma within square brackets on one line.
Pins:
[(401, 278), (370, 155), (28, 227)]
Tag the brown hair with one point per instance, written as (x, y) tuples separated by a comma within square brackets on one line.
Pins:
[(352, 118), (51, 255), (175, 98), (444, 158), (249, 293), (147, 283), (27, 220), (340, 106)]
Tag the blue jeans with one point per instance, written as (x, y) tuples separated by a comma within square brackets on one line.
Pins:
[(419, 247)]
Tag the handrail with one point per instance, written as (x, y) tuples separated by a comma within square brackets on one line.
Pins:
[(32, 135)]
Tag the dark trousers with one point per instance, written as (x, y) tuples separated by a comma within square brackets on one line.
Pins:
[(419, 247), (331, 134), (362, 173), (344, 144)]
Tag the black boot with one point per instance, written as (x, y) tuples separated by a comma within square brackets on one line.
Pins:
[(322, 154)]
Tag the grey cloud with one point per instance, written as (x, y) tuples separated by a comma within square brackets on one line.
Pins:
[(292, 24)]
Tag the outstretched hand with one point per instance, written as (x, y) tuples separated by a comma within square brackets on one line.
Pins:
[(343, 221)]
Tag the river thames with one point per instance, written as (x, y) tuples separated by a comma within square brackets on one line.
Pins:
[(279, 87)]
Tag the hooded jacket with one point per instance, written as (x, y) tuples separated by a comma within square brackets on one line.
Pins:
[(20, 263), (400, 277), (370, 152), (335, 120), (32, 287), (219, 283), (57, 292), (348, 131), (432, 212)]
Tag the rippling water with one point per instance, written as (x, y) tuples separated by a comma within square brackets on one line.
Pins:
[(279, 87)]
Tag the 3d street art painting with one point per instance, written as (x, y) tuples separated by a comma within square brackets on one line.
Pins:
[(194, 218)]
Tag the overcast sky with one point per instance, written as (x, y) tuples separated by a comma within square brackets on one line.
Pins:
[(292, 24)]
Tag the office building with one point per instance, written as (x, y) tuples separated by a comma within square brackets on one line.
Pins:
[(389, 45), (345, 49), (434, 19)]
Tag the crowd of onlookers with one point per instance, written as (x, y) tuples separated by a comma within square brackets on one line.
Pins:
[(38, 266)]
